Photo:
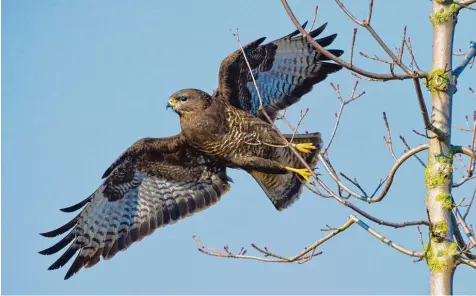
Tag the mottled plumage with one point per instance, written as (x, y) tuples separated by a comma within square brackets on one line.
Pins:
[(230, 126), (156, 182), (284, 70), (142, 190)]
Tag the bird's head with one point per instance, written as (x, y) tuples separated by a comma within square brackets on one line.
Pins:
[(189, 101)]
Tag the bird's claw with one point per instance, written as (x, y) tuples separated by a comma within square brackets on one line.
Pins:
[(303, 173), (304, 147)]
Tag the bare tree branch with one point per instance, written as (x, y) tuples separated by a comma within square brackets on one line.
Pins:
[(366, 24), (388, 140), (389, 179), (367, 215), (277, 258), (470, 55), (382, 77), (303, 256), (352, 98), (459, 238), (409, 148), (424, 112), (386, 240), (469, 205), (464, 226), (471, 153), (464, 4), (468, 262)]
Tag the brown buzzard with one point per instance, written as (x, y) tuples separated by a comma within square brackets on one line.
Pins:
[(158, 181)]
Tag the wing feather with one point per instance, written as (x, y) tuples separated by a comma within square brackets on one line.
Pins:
[(140, 194), (284, 70)]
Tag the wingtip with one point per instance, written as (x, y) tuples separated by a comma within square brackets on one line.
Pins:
[(77, 206), (47, 234), (43, 252), (54, 266), (318, 31)]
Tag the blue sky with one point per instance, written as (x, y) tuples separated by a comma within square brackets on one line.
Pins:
[(82, 80)]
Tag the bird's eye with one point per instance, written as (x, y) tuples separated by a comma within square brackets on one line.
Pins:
[(182, 99)]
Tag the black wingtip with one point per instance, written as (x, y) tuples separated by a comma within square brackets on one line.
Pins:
[(318, 31), (296, 32), (255, 43), (78, 205), (336, 52), (78, 263), (62, 229), (326, 40), (59, 245), (63, 259)]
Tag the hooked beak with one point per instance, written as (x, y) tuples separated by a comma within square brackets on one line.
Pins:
[(171, 103)]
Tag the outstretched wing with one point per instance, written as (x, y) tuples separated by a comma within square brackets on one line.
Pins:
[(284, 70), (143, 190)]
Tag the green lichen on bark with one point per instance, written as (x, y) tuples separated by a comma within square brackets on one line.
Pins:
[(442, 16), (438, 171), (434, 264), (437, 80), (438, 231), (446, 200), (453, 249)]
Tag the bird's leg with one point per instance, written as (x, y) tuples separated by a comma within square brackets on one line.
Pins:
[(304, 147), (259, 164), (164, 145), (269, 166)]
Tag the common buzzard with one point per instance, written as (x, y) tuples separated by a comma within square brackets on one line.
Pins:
[(158, 181)]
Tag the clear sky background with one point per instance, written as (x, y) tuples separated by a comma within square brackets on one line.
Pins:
[(82, 80)]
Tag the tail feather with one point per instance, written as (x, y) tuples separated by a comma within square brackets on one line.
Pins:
[(284, 189)]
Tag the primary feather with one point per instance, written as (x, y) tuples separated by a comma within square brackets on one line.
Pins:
[(142, 192)]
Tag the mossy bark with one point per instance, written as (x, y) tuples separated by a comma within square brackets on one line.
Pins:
[(439, 173)]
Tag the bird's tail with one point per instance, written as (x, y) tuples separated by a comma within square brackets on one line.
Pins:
[(284, 189)]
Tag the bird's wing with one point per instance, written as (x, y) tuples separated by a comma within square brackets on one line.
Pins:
[(142, 190), (284, 70)]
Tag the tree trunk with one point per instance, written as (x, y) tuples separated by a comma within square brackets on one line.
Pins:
[(438, 175)]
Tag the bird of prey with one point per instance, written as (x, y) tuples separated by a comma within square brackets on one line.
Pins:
[(158, 181)]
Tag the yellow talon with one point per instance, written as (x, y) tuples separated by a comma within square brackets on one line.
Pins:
[(304, 147), (304, 173)]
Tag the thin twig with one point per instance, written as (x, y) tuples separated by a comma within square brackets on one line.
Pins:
[(389, 179), (302, 257), (353, 46), (402, 47), (469, 233), (352, 98), (314, 19), (383, 45), (409, 148), (388, 140), (469, 205), (367, 215), (277, 258), (326, 53), (408, 43), (424, 112)]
